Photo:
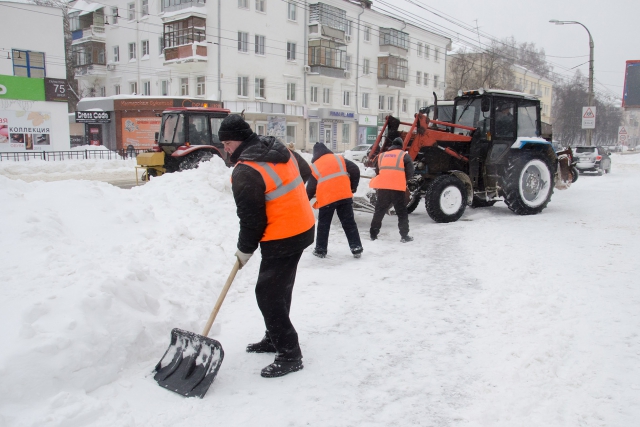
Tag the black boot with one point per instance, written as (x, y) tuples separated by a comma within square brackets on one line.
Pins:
[(373, 233), (281, 367), (356, 251), (264, 346)]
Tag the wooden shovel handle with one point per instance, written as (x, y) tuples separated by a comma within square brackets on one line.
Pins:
[(223, 294)]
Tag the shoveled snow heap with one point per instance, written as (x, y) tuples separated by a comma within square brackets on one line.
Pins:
[(495, 320)]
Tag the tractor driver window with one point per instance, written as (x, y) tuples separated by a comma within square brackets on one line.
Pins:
[(173, 131), (505, 120), (215, 127), (527, 119), (198, 130)]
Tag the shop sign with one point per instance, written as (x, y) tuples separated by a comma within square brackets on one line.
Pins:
[(25, 88), (367, 120), (343, 114), (93, 117), (140, 131), (25, 130), (162, 103), (55, 90), (328, 114)]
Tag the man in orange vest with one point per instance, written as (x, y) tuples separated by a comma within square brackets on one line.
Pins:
[(333, 181), (274, 212), (394, 168)]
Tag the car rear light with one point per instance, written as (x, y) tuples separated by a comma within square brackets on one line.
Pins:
[(598, 158)]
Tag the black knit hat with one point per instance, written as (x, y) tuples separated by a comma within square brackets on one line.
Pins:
[(397, 141), (234, 128)]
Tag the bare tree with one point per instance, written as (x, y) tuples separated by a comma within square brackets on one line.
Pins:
[(65, 7), (529, 57)]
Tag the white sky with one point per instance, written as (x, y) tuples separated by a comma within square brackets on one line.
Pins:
[(613, 26)]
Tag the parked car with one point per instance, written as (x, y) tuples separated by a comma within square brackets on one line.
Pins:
[(357, 153), (592, 159)]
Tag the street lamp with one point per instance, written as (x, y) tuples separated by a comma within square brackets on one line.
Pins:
[(555, 21)]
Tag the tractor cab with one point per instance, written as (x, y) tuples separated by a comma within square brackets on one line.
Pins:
[(188, 136)]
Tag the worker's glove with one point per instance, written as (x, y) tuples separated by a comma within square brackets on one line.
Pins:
[(242, 258)]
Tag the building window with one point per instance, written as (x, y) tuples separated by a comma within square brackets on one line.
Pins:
[(243, 41), (260, 88), (347, 65), (243, 86), (131, 11), (419, 49), (116, 89), (346, 98), (390, 103), (435, 81), (393, 68), (426, 79), (291, 134), (367, 33), (132, 51), (116, 54), (29, 64), (418, 102), (291, 51), (313, 132), (291, 11), (346, 133), (314, 94), (133, 88), (184, 86), (243, 4), (261, 129), (160, 45), (366, 67), (145, 48), (260, 5), (146, 88), (259, 45), (145, 7), (164, 88), (436, 54), (291, 91), (418, 77), (349, 28), (185, 31), (405, 105), (380, 102), (426, 51), (365, 100), (326, 95), (114, 15), (201, 86)]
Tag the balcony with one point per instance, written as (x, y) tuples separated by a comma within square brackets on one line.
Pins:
[(89, 59), (394, 42), (327, 22), (392, 71), (92, 33), (327, 58), (186, 56), (90, 70)]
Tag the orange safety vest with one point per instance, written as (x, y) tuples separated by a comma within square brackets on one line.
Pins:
[(333, 180), (391, 176), (287, 204)]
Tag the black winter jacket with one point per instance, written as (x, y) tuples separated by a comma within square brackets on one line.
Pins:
[(248, 191), (353, 170), (409, 169)]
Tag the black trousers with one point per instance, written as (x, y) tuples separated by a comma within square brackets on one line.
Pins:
[(344, 208), (385, 199), (273, 293)]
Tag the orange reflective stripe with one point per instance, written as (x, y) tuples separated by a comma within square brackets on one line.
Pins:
[(391, 176), (333, 180), (287, 205)]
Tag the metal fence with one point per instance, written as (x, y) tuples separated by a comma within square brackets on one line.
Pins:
[(71, 155)]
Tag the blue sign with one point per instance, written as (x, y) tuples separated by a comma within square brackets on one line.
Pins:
[(341, 114)]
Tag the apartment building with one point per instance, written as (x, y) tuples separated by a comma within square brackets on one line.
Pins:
[(529, 82), (304, 71), (33, 101)]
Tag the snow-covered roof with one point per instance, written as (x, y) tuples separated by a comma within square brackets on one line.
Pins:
[(85, 7)]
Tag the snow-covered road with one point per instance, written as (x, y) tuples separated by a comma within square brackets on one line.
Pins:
[(495, 320)]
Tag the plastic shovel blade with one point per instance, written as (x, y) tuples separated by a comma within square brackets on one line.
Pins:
[(190, 364)]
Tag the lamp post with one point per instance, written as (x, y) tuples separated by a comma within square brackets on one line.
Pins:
[(555, 21)]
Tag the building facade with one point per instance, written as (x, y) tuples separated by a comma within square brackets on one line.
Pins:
[(304, 71), (33, 102)]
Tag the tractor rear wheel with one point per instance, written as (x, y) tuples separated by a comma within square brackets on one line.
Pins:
[(192, 160), (528, 183), (446, 199)]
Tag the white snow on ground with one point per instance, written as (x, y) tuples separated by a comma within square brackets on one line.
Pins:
[(495, 320), (57, 170)]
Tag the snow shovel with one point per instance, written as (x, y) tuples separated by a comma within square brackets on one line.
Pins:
[(191, 362)]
